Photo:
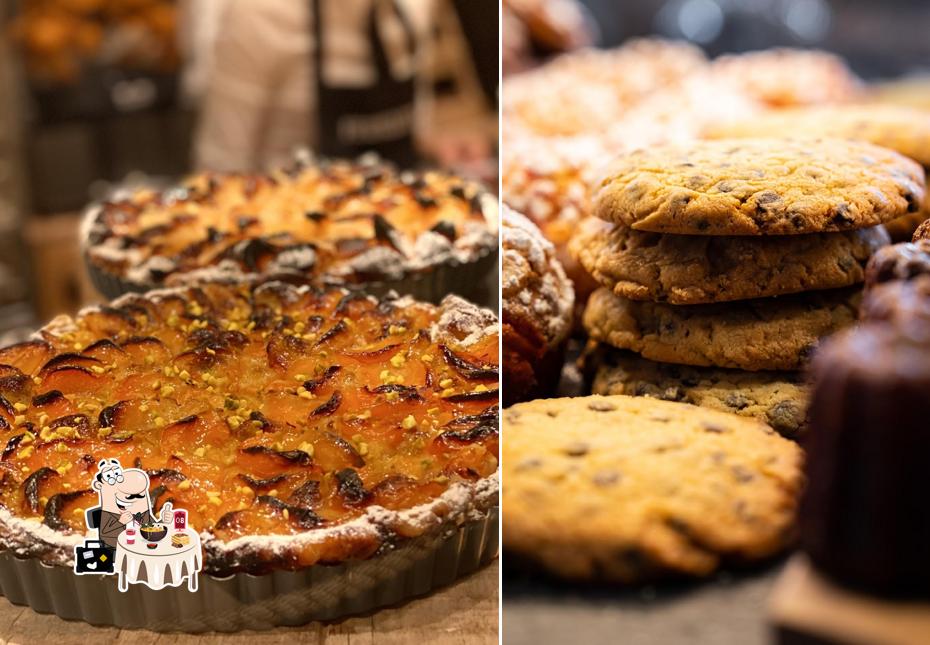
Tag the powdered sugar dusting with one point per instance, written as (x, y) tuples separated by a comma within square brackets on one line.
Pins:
[(463, 322), (534, 283)]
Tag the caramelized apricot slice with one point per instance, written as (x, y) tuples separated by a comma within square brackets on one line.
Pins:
[(28, 357), (72, 380)]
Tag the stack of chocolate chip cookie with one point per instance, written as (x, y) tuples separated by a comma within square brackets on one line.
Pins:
[(723, 263)]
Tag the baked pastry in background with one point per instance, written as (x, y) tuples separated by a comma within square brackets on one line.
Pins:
[(903, 261), (587, 91), (326, 221), (548, 181), (788, 77), (537, 306), (899, 300), (905, 130), (632, 489)]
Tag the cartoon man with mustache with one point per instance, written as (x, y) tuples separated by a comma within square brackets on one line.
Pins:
[(124, 496)]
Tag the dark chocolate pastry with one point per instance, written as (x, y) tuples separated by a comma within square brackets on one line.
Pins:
[(898, 301), (898, 262), (864, 518)]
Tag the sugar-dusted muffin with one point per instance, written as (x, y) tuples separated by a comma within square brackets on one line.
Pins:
[(547, 179), (537, 310)]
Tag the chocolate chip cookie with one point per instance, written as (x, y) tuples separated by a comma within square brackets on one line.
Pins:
[(764, 334), (759, 187), (690, 269), (776, 398), (633, 489)]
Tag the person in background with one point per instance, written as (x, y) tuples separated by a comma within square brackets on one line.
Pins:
[(536, 29), (344, 77)]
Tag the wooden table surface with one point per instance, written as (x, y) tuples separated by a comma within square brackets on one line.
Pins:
[(465, 613)]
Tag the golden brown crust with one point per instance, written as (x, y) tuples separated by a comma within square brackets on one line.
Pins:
[(763, 334), (296, 426), (686, 270), (632, 489), (759, 187), (537, 309)]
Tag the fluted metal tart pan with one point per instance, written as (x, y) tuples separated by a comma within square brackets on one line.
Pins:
[(245, 601)]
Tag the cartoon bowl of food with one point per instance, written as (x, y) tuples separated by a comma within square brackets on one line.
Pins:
[(154, 532)]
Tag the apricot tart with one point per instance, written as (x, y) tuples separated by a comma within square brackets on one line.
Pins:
[(336, 222), (298, 426)]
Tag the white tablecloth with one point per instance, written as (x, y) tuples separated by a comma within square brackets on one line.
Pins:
[(163, 566)]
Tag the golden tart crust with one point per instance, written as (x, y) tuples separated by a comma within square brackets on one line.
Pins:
[(297, 426), (339, 222)]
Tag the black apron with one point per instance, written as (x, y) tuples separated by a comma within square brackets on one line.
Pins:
[(379, 118)]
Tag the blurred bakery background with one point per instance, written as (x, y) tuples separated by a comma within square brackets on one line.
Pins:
[(99, 93), (879, 39)]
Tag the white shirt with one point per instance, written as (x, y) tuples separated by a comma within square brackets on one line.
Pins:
[(260, 101)]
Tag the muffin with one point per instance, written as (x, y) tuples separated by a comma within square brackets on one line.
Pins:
[(536, 310)]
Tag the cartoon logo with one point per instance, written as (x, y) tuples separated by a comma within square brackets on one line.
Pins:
[(131, 538)]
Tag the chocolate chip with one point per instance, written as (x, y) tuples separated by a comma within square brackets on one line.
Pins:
[(245, 221), (606, 478), (742, 474), (913, 205), (315, 216), (725, 186), (841, 215), (576, 449), (785, 417), (737, 401), (767, 197), (528, 463), (673, 394), (601, 406), (425, 202), (446, 229)]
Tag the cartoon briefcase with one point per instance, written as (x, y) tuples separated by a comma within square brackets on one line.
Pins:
[(93, 557)]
